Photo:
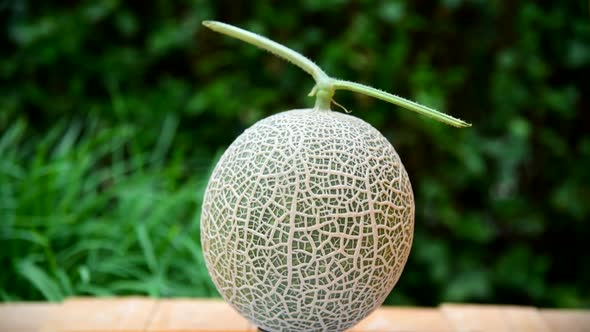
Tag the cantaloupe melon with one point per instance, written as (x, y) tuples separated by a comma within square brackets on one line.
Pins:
[(307, 221), (308, 216)]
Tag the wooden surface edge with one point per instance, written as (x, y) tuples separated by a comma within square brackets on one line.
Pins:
[(130, 314)]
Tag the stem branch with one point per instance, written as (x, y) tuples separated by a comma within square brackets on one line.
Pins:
[(271, 46), (397, 100)]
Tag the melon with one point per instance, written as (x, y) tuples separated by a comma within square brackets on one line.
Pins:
[(308, 217)]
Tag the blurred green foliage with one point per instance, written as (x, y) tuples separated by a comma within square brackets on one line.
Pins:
[(112, 114)]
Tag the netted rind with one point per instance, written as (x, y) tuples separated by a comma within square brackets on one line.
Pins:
[(307, 221)]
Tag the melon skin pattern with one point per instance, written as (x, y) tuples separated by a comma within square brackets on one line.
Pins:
[(307, 221)]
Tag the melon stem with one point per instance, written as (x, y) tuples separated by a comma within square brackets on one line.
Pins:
[(325, 85), (324, 92)]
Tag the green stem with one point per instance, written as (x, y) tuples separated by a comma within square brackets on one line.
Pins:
[(397, 100), (325, 85), (271, 46)]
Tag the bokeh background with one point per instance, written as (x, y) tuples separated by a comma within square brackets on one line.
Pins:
[(112, 114)]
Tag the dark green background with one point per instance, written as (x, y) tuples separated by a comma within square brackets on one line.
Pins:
[(112, 114)]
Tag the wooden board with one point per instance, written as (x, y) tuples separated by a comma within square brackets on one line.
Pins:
[(567, 320), (132, 314), (25, 317), (492, 318), (404, 319), (184, 315)]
